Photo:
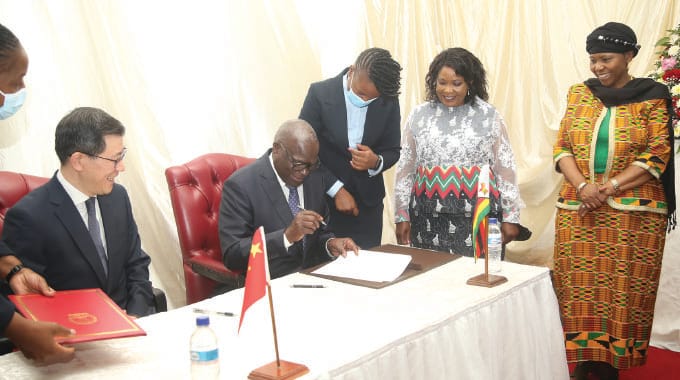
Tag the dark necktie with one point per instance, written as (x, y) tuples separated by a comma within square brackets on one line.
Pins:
[(93, 227), (294, 205), (293, 200)]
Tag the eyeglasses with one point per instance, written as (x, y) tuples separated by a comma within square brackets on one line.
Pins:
[(300, 166), (115, 161)]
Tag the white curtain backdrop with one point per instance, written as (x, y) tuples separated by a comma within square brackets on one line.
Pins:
[(187, 78)]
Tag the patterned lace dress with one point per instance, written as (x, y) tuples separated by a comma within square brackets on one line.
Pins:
[(443, 149)]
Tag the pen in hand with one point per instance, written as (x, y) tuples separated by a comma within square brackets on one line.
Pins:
[(322, 221), (222, 313)]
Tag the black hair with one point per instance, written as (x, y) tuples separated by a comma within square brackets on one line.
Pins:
[(8, 43), (464, 64), (382, 70), (83, 130)]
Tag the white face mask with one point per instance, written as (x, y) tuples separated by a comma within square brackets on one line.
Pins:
[(12, 103)]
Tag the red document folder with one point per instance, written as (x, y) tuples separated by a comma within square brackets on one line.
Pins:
[(90, 312)]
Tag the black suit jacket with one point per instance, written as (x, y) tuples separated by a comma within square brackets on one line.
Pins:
[(46, 232), (6, 307), (252, 197), (324, 108), (4, 249), (6, 313)]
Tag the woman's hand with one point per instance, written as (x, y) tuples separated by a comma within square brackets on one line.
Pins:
[(345, 203), (363, 158), (509, 232), (591, 198), (403, 232)]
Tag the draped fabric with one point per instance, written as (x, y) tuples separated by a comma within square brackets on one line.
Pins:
[(187, 78)]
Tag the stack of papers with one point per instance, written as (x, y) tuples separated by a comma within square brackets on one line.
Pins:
[(368, 265)]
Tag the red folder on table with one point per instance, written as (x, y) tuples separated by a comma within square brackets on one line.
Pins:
[(90, 312)]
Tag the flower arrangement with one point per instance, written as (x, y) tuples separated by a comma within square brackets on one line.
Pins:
[(668, 71)]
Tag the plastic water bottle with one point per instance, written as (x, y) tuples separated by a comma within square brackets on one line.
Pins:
[(205, 362), (495, 246)]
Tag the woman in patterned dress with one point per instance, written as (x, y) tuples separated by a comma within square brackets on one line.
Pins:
[(445, 142), (614, 150)]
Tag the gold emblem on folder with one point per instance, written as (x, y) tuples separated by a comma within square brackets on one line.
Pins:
[(82, 318)]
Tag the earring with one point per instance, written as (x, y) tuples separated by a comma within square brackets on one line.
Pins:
[(468, 92)]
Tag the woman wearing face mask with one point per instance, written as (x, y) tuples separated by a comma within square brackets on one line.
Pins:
[(614, 149), (445, 142), (356, 118), (13, 67), (34, 339)]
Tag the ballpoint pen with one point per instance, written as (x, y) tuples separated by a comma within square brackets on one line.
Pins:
[(222, 313), (308, 286), (322, 221)]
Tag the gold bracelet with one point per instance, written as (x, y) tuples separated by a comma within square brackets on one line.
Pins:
[(615, 185)]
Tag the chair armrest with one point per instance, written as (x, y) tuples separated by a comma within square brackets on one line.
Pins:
[(216, 271), (160, 301)]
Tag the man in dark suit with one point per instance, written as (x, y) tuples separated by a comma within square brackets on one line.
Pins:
[(77, 231), (282, 192), (357, 120)]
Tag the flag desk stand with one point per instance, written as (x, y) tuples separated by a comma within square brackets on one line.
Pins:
[(485, 279), (480, 229), (256, 286), (282, 371), (278, 369)]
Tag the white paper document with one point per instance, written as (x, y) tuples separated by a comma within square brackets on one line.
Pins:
[(368, 266)]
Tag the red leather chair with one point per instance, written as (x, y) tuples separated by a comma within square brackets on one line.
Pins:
[(195, 191), (13, 186)]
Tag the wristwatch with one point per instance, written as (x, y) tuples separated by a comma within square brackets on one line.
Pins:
[(13, 271), (378, 163)]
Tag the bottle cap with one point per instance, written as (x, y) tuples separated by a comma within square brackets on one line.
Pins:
[(202, 320), (493, 220)]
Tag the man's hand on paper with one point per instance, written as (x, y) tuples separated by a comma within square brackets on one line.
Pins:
[(340, 246), (367, 265), (304, 223)]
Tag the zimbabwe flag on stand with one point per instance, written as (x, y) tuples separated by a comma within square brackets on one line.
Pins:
[(480, 231)]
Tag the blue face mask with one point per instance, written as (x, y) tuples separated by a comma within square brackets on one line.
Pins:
[(12, 103), (357, 101)]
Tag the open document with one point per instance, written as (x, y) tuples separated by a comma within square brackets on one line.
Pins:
[(368, 266)]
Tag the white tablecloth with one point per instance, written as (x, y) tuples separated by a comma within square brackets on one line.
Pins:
[(666, 327), (431, 326)]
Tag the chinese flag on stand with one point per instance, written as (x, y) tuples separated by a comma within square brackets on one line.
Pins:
[(482, 207), (257, 276)]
